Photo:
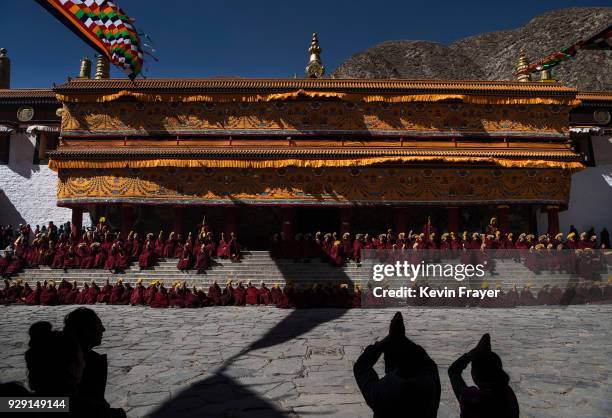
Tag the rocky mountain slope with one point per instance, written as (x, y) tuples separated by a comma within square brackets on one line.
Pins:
[(493, 56)]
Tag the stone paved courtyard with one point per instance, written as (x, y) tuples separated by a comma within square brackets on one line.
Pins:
[(267, 362)]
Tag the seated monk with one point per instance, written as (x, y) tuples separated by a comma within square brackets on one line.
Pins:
[(223, 247), (192, 298), (264, 294), (147, 257), (234, 247), (161, 298), (71, 295), (4, 262), (71, 260), (122, 261), (117, 292), (170, 246), (252, 294), (185, 261), (526, 297), (105, 293), (80, 299), (356, 299), (92, 294), (239, 295), (202, 260), (136, 248), (34, 297), (62, 290), (138, 294), (48, 295), (151, 291), (227, 296), (214, 294), (275, 294), (111, 260), (89, 258)]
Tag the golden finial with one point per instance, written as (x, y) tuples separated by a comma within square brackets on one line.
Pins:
[(102, 67), (521, 66), (315, 68), (85, 70)]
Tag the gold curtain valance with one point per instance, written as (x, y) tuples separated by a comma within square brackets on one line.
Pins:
[(304, 94), (221, 163)]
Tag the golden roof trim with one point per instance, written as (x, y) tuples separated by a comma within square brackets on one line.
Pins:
[(222, 85)]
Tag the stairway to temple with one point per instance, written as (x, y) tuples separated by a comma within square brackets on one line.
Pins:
[(258, 266)]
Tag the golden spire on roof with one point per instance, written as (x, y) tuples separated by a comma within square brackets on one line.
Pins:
[(102, 67), (315, 68), (521, 66), (85, 70)]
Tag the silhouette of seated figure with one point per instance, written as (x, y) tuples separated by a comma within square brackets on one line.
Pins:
[(55, 366), (492, 396), (411, 385), (86, 327)]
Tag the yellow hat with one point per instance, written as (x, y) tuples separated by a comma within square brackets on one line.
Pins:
[(571, 235), (51, 282), (344, 286), (498, 285), (139, 280), (102, 219), (484, 285)]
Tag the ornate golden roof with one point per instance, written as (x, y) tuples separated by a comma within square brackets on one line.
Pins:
[(271, 85)]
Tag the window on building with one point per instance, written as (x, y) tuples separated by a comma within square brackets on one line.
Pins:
[(45, 141), (5, 146)]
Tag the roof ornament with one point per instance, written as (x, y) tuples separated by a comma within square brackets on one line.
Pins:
[(521, 66), (315, 68), (85, 70), (102, 67)]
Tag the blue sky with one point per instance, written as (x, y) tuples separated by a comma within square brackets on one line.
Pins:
[(257, 38)]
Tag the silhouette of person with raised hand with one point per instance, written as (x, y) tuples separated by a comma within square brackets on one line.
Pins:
[(492, 396), (86, 327), (411, 385)]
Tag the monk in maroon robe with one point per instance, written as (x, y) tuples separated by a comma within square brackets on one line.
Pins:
[(192, 298), (239, 295), (4, 263), (227, 296), (71, 295), (151, 291), (160, 245), (15, 265), (252, 295), (138, 294), (161, 298), (170, 246), (48, 295), (275, 294), (147, 257), (62, 290), (80, 299), (105, 293), (186, 259), (92, 294), (223, 247), (117, 292), (264, 294), (202, 260), (214, 294), (33, 298)]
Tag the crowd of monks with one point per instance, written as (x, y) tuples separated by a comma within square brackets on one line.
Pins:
[(305, 295), (102, 248)]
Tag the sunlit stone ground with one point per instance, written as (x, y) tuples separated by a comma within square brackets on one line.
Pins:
[(197, 362)]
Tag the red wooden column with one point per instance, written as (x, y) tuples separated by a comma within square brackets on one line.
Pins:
[(553, 219), (287, 220), (502, 218), (230, 220), (127, 220), (452, 214), (345, 220), (178, 214), (400, 220), (76, 223)]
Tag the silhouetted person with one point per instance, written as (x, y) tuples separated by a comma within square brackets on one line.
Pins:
[(411, 385), (55, 366), (85, 325), (604, 238), (492, 396)]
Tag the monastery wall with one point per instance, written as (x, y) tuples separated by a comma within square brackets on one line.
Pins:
[(27, 190)]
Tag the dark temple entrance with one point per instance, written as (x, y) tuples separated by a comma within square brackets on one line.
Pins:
[(312, 220)]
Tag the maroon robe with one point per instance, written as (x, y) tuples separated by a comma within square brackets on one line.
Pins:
[(161, 299), (185, 261), (34, 297), (264, 295), (138, 295), (48, 296), (252, 295), (214, 294)]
